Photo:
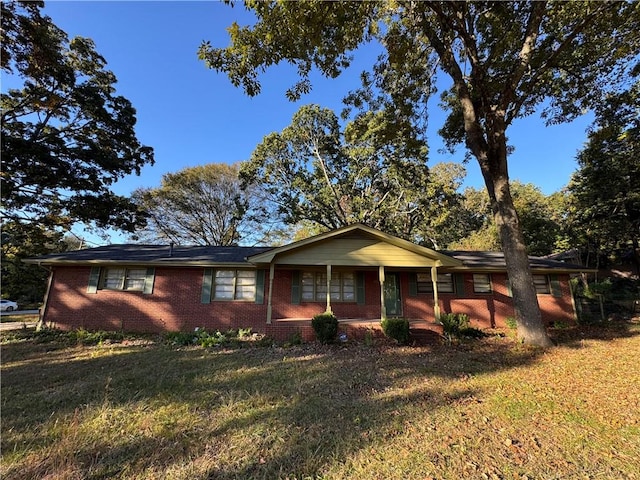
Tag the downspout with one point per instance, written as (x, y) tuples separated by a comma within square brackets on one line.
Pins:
[(45, 302)]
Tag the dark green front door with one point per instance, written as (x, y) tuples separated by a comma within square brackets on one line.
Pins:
[(392, 301)]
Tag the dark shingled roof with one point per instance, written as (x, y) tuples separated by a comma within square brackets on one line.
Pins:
[(495, 260), (156, 254), (214, 255)]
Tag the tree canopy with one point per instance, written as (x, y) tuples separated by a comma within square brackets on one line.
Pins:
[(66, 135), (541, 225), (504, 59), (203, 205), (315, 172), (605, 191)]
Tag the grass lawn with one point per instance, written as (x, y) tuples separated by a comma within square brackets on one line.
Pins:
[(488, 408)]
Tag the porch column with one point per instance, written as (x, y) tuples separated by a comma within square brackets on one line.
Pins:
[(434, 282), (383, 309), (328, 288), (271, 270)]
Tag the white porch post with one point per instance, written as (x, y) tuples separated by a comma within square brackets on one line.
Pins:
[(328, 288), (383, 309), (271, 270), (434, 282)]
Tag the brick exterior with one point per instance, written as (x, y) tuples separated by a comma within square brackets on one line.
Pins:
[(175, 305)]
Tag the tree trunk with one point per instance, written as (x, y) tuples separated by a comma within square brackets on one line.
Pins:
[(531, 329)]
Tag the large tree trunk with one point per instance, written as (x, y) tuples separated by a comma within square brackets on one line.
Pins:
[(531, 329)]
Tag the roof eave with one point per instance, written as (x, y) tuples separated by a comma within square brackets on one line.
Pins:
[(183, 263)]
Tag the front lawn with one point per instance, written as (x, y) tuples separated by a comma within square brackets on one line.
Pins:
[(488, 408)]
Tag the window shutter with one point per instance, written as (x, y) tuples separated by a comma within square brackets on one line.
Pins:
[(413, 285), (556, 289), (295, 287), (207, 281), (148, 281), (509, 291), (260, 286), (94, 279), (458, 282), (360, 295)]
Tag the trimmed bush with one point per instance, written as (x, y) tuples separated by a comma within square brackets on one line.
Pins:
[(326, 327), (396, 328)]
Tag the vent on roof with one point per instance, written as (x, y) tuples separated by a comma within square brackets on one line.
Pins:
[(171, 249)]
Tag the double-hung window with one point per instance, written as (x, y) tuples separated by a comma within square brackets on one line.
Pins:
[(482, 283), (541, 283), (425, 285), (120, 278), (234, 285), (342, 287)]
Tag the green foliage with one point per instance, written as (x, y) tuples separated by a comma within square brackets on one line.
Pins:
[(203, 338), (316, 173), (541, 220), (294, 339), (511, 322), (453, 323), (66, 136), (72, 337), (326, 327), (456, 325), (605, 200), (369, 337), (244, 332), (397, 329), (21, 282)]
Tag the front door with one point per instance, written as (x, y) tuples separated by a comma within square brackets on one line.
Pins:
[(392, 301)]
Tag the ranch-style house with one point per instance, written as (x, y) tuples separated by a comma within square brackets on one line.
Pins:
[(359, 273)]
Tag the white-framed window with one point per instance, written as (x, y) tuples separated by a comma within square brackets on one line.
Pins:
[(541, 283), (121, 278), (482, 283), (234, 285), (314, 286), (425, 285)]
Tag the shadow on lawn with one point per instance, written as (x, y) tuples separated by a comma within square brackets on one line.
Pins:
[(247, 413), (575, 337)]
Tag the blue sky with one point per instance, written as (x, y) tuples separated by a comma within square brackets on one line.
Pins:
[(191, 115)]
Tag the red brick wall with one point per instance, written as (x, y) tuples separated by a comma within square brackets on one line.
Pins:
[(484, 310), (175, 305), (488, 310)]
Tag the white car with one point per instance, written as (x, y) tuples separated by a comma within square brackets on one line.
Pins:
[(8, 306)]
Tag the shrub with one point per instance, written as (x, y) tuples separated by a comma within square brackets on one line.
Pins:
[(326, 327), (453, 323), (294, 339), (511, 322), (396, 328), (180, 338)]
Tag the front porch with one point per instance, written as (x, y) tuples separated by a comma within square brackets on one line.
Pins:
[(422, 332)]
